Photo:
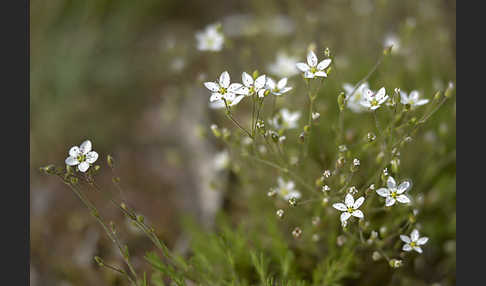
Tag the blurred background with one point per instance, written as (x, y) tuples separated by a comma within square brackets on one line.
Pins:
[(127, 75)]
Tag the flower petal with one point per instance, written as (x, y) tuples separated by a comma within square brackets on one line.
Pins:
[(414, 236), (311, 59), (71, 161), (422, 240), (260, 81), (83, 166), (74, 151), (406, 247), (390, 183), (421, 102), (349, 200), (237, 100), (345, 216), (212, 86), (418, 249), (234, 87), (384, 192), (389, 201), (380, 94), (403, 187), (321, 74), (282, 83), (324, 64), (358, 202), (340, 206), (271, 83), (85, 147), (308, 74), (91, 157), (215, 96), (403, 199), (414, 95), (302, 67), (358, 214), (405, 238), (246, 79), (224, 79)]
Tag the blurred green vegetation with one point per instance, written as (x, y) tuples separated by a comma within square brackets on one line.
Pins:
[(124, 73)]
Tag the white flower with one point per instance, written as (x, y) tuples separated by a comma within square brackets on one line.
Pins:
[(221, 160), (82, 156), (211, 39), (286, 189), (394, 193), (374, 100), (349, 208), (353, 100), (278, 88), (251, 86), (413, 242), (284, 65), (286, 119), (224, 91), (394, 41), (312, 68), (413, 98)]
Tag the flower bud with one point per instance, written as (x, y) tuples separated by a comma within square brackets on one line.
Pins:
[(316, 220), (355, 165), (327, 52), (395, 263), (340, 162), (140, 218), (110, 161), (326, 188), (292, 202), (280, 213), (325, 202), (450, 88), (315, 237), (315, 116), (49, 169), (302, 137), (376, 256), (326, 174), (99, 261), (215, 130), (341, 240), (306, 128), (437, 95), (341, 100)]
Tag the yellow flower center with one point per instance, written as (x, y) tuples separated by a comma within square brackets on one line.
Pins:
[(222, 90), (393, 194), (413, 244), (313, 69), (374, 102), (81, 158), (350, 209)]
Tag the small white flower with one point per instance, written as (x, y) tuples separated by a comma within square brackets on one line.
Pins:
[(312, 69), (374, 100), (222, 91), (350, 208), (211, 39), (353, 100), (286, 119), (251, 86), (413, 242), (394, 41), (82, 156), (284, 66), (286, 189), (278, 88), (413, 98), (394, 193), (221, 160), (315, 115)]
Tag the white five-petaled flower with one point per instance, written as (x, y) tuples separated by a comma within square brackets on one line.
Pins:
[(284, 66), (286, 189), (211, 39), (413, 242), (222, 91), (82, 156), (349, 208), (374, 100), (251, 86), (312, 69), (286, 119), (413, 98), (394, 193), (353, 100), (278, 88)]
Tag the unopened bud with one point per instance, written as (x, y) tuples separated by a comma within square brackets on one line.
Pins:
[(395, 263), (326, 174), (110, 161), (437, 95), (316, 220), (215, 130), (326, 188), (370, 137), (99, 261), (280, 213), (315, 116), (376, 256), (450, 88), (292, 202), (341, 100)]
